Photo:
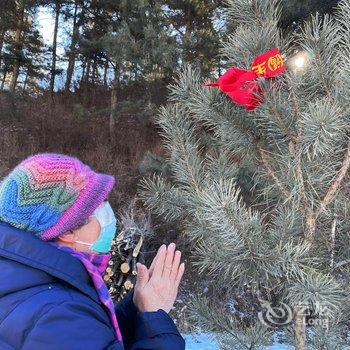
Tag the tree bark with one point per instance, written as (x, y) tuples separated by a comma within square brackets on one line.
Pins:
[(94, 71), (54, 46), (2, 38), (299, 328), (83, 72), (105, 82), (72, 49), (18, 45), (25, 81), (86, 78), (3, 79), (113, 113)]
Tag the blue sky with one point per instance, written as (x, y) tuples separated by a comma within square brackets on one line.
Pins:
[(46, 23)]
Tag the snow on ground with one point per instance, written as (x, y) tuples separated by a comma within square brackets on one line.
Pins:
[(202, 341), (199, 341)]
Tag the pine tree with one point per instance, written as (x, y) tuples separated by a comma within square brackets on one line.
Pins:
[(140, 46), (96, 17), (57, 8), (34, 57), (262, 195), (77, 14), (140, 49), (22, 48), (194, 24)]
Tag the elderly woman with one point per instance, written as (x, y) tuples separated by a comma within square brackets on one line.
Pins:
[(56, 229)]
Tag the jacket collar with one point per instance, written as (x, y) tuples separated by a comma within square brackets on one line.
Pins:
[(27, 249)]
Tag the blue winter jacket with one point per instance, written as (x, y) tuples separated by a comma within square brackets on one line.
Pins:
[(48, 301)]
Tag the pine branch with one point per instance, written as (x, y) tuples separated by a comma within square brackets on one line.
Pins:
[(310, 217), (179, 134), (341, 264), (334, 223), (297, 113), (230, 334), (316, 289), (279, 118), (336, 183), (271, 173), (162, 198)]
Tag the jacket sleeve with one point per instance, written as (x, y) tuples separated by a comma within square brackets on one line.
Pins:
[(126, 313), (147, 330), (70, 325)]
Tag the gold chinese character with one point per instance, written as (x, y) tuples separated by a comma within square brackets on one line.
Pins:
[(275, 62), (260, 68)]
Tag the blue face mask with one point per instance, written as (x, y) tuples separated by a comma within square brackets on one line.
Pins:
[(107, 220)]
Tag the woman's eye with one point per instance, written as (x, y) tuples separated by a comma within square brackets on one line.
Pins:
[(85, 223)]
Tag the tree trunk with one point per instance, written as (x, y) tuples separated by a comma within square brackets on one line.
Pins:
[(113, 113), (94, 71), (105, 82), (72, 49), (2, 37), (3, 79), (187, 36), (54, 46), (299, 328), (25, 82), (85, 81), (18, 45), (83, 71), (86, 78)]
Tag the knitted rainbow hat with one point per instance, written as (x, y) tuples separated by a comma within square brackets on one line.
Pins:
[(49, 194)]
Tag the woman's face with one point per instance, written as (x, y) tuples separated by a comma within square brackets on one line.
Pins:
[(88, 233)]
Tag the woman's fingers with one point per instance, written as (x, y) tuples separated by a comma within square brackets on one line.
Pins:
[(151, 268), (171, 263), (179, 275), (175, 267), (168, 263), (159, 263), (142, 275)]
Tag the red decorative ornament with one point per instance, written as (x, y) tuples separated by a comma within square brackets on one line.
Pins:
[(242, 86)]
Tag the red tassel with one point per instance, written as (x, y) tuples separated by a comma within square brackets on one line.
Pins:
[(242, 86)]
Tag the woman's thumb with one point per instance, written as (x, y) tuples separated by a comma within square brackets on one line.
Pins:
[(142, 275)]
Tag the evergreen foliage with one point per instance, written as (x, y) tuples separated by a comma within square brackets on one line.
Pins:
[(290, 244)]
